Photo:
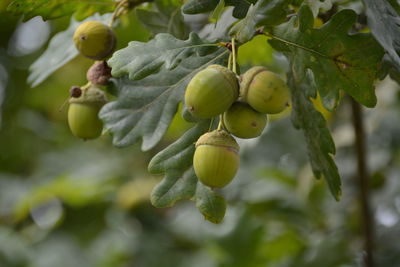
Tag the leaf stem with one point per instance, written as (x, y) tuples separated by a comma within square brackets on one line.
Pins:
[(117, 11), (234, 56), (221, 125), (363, 186), (230, 61)]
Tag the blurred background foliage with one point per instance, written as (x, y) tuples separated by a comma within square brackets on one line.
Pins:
[(66, 202)]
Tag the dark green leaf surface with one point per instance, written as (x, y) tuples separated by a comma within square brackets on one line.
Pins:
[(180, 181), (60, 51), (144, 108), (263, 13), (383, 20), (320, 144), (51, 9), (176, 162), (201, 6), (338, 60), (211, 204), (164, 20)]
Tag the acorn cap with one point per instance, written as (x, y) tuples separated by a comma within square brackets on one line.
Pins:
[(218, 138), (92, 95), (228, 74), (248, 77)]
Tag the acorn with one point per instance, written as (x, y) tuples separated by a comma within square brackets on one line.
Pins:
[(83, 112), (211, 91), (264, 91), (243, 121), (216, 158), (94, 40)]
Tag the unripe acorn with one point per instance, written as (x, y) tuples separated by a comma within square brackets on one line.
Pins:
[(94, 40), (264, 91), (216, 158), (243, 121), (83, 112), (211, 91)]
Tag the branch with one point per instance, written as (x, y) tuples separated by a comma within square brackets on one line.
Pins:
[(362, 180)]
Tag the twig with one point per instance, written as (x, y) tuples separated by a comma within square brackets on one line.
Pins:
[(362, 179)]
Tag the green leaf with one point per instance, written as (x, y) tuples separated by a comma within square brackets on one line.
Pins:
[(51, 9), (319, 141), (180, 181), (219, 31), (211, 204), (201, 6), (218, 11), (176, 162), (164, 19), (338, 60), (383, 20), (144, 108), (263, 13), (60, 51)]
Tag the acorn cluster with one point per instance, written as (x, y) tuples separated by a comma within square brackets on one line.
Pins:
[(243, 104), (94, 40)]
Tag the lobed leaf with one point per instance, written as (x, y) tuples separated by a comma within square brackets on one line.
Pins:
[(319, 141), (338, 60), (60, 51), (51, 9), (162, 68), (180, 181), (176, 162), (263, 13)]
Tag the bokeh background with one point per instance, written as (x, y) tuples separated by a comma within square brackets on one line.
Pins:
[(65, 202)]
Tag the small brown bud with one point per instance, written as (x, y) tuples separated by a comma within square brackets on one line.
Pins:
[(75, 91)]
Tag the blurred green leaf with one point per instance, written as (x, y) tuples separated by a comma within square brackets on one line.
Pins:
[(383, 21), (195, 6), (263, 13), (247, 57), (351, 61), (218, 11), (51, 9), (60, 51), (164, 19), (146, 107)]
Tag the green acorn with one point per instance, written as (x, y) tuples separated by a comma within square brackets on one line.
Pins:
[(216, 158), (264, 91), (243, 121), (83, 112), (211, 91), (94, 40)]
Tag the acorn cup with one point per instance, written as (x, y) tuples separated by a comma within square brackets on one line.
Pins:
[(264, 91), (243, 121), (94, 40), (83, 112), (211, 91), (216, 158)]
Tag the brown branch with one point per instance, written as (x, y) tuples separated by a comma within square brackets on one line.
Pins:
[(363, 185)]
